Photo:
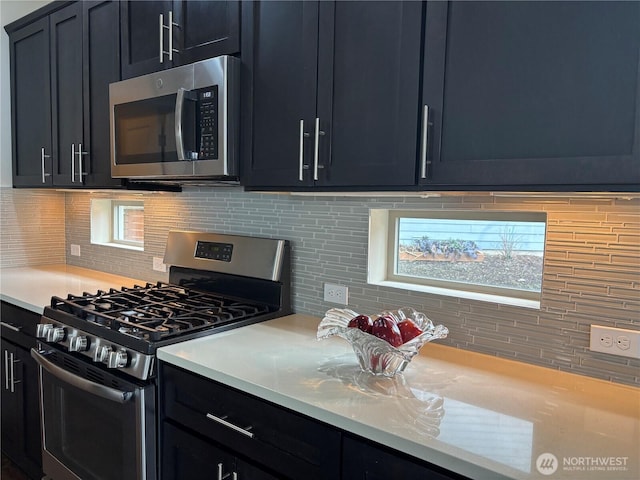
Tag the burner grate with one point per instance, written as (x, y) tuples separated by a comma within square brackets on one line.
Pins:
[(156, 311)]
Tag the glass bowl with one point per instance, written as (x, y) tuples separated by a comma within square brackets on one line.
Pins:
[(375, 355)]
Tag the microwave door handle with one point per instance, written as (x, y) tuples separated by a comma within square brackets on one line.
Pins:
[(88, 386), (178, 124)]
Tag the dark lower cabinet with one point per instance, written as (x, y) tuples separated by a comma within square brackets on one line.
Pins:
[(362, 460), (21, 439), (247, 435), (185, 455), (532, 94)]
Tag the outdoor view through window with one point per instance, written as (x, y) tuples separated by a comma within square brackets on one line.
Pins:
[(489, 252)]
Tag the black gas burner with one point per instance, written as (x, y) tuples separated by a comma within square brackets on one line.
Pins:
[(156, 311)]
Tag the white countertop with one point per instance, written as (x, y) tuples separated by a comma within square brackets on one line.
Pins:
[(32, 287), (474, 414)]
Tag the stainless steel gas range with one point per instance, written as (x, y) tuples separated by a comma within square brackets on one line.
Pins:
[(97, 351)]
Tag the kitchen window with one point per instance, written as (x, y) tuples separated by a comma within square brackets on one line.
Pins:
[(118, 223), (480, 255)]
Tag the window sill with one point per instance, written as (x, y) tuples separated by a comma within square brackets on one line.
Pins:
[(482, 297), (119, 245)]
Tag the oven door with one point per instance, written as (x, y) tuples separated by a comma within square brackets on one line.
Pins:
[(95, 425)]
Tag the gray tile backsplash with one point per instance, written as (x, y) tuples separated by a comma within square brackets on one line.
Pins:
[(591, 265), (591, 270), (32, 227)]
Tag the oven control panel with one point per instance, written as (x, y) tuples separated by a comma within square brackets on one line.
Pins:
[(98, 350), (214, 251)]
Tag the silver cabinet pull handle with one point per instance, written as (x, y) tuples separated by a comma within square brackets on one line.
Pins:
[(230, 425), (169, 26), (81, 171), (13, 375), (301, 166), (425, 143), (6, 370), (11, 327), (73, 160), (316, 149), (161, 38), (42, 157)]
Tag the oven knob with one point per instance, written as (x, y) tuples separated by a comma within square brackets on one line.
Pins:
[(117, 359), (55, 334), (42, 329), (102, 353), (78, 343)]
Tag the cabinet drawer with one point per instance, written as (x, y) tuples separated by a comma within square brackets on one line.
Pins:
[(293, 445), (19, 325)]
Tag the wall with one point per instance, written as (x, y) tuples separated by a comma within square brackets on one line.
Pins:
[(591, 271)]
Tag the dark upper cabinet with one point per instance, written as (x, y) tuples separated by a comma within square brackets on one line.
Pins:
[(161, 34), (331, 93), (532, 94), (31, 104), (61, 67), (101, 66), (66, 94)]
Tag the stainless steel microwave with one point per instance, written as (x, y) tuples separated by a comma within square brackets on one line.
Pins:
[(177, 125)]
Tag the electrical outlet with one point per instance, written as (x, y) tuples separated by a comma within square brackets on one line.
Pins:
[(336, 293), (616, 341), (75, 250), (159, 265)]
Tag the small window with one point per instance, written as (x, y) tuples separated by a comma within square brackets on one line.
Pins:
[(118, 223), (491, 256)]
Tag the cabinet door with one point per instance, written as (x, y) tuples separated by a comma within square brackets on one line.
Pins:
[(12, 430), (31, 105), (66, 93), (21, 439), (186, 456), (368, 92), (140, 36), (280, 48), (247, 471), (101, 67), (533, 93), (207, 29), (364, 461)]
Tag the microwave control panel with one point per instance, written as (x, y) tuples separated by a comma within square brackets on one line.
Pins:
[(208, 113)]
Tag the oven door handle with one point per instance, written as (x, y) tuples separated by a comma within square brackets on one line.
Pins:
[(88, 386)]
